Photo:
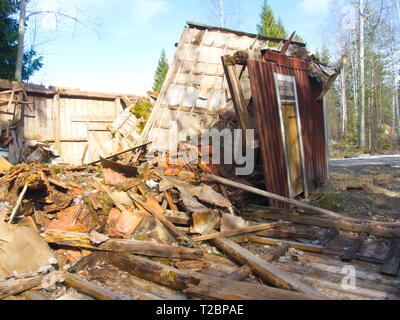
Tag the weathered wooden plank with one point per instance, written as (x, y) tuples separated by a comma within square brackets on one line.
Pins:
[(248, 229), (269, 195), (239, 274), (56, 123), (153, 271), (93, 290), (239, 102), (296, 245), (225, 289), (264, 269), (144, 248), (384, 231), (392, 262)]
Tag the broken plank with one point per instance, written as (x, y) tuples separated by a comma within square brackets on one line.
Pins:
[(225, 289), (239, 275), (93, 290), (16, 286), (392, 262), (145, 248), (12, 287), (269, 195), (264, 269), (229, 233), (120, 153), (235, 88), (153, 271), (296, 245), (325, 222), (355, 246), (179, 234)]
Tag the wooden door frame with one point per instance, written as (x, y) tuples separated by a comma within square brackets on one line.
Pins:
[(282, 77)]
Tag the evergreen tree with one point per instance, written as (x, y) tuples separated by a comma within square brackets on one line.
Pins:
[(161, 72), (269, 26), (9, 43)]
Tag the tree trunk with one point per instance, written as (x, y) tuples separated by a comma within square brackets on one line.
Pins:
[(344, 102), (361, 110), (21, 36)]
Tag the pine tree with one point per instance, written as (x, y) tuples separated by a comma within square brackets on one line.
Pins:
[(161, 72), (269, 26), (9, 42)]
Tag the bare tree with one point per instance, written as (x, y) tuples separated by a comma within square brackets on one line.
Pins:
[(21, 37), (224, 13), (361, 109), (24, 19)]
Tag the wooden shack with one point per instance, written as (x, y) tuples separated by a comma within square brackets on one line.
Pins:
[(271, 90), (76, 123)]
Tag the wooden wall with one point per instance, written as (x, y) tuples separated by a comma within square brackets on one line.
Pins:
[(80, 120)]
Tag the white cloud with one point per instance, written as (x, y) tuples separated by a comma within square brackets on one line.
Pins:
[(146, 9)]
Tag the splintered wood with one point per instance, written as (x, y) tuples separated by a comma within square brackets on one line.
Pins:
[(133, 232)]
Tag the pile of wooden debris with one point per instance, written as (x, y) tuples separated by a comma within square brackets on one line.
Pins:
[(118, 231)]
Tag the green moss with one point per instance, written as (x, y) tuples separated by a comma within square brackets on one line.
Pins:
[(57, 170), (219, 255), (330, 201), (142, 110), (164, 261), (106, 203), (140, 237)]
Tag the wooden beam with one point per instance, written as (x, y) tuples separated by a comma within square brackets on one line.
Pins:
[(274, 242), (288, 42), (56, 123), (144, 248), (388, 231), (269, 195), (239, 274), (264, 269), (16, 101), (333, 78), (120, 153), (225, 289), (229, 233), (237, 95), (93, 290), (153, 271)]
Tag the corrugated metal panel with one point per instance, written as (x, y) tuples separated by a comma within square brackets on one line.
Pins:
[(269, 126)]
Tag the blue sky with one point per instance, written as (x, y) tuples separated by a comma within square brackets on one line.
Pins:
[(121, 54)]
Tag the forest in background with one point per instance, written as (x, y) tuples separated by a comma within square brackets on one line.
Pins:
[(363, 105)]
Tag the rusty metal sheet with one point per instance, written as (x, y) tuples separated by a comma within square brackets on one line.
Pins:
[(311, 115)]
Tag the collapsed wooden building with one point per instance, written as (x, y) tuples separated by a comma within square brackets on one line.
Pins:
[(134, 229), (223, 78), (79, 126)]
